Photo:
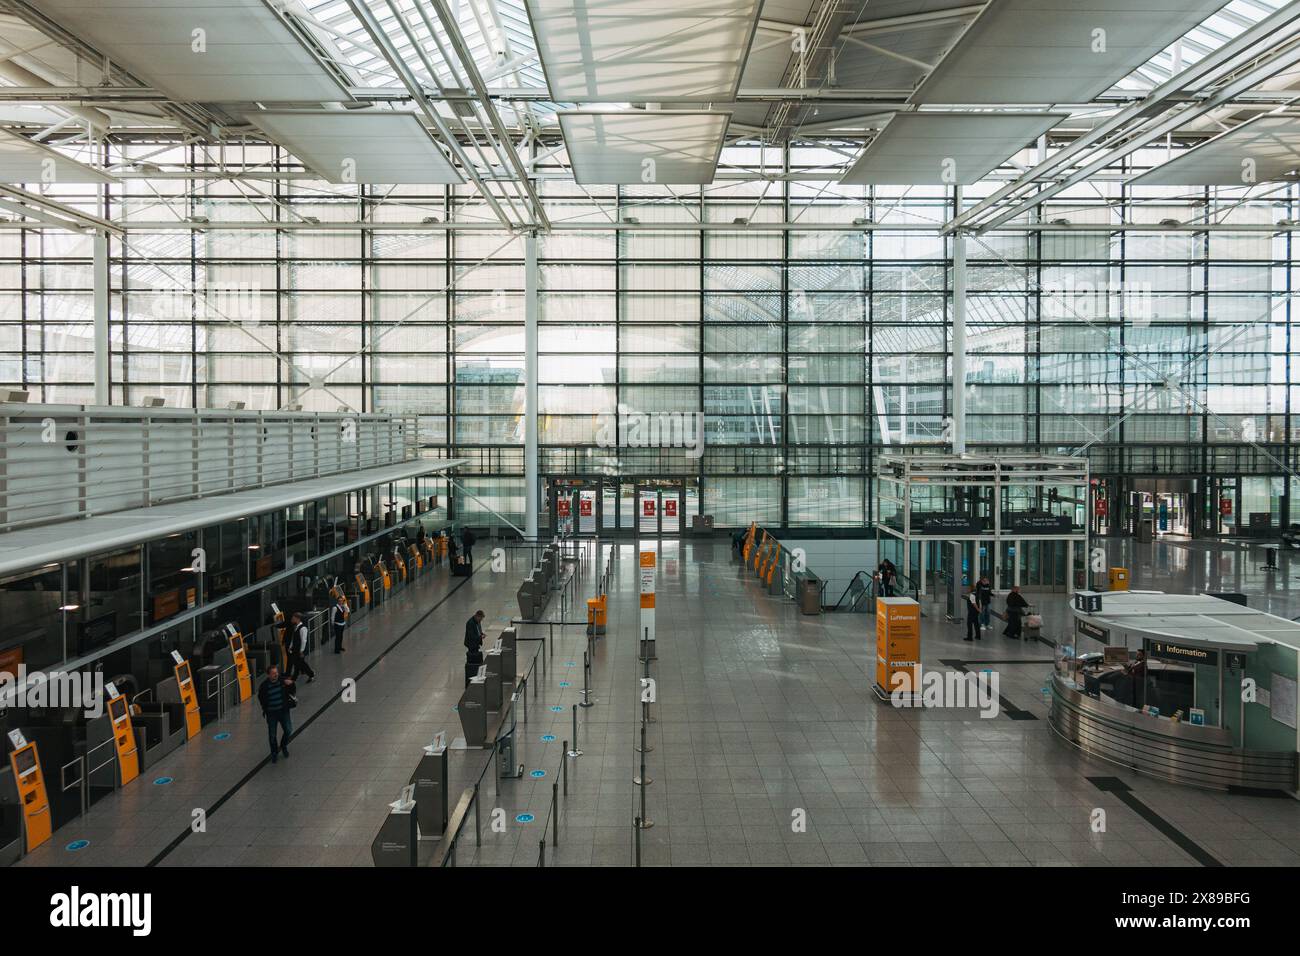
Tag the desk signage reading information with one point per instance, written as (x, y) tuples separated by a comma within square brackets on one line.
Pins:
[(1163, 650)]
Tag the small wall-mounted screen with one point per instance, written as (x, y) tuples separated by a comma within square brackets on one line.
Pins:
[(183, 672)]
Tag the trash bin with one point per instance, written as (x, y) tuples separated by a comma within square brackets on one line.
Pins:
[(596, 614), (810, 594)]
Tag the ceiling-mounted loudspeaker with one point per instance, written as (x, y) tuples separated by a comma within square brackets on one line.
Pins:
[(14, 396), (152, 401), (235, 406)]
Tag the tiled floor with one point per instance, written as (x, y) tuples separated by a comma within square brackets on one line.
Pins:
[(768, 747)]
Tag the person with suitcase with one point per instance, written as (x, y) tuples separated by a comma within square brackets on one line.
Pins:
[(1016, 605)]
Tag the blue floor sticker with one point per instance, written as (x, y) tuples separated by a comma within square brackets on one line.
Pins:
[(557, 709), (537, 773), (524, 818), (221, 736), (162, 781), (76, 845), (564, 683), (548, 738)]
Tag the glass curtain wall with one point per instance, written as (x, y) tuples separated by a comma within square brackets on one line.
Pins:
[(808, 351)]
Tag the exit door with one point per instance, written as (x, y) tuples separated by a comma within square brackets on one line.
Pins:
[(659, 510), (574, 509)]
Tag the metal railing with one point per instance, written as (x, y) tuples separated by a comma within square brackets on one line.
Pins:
[(867, 589), (59, 462), (83, 778)]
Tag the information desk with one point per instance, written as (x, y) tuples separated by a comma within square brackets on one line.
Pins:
[(1187, 688)]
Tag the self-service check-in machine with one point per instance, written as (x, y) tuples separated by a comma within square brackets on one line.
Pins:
[(363, 588), (33, 802), (492, 689), (430, 782), (509, 643), (128, 754), (399, 565), (383, 573), (189, 696), (239, 656), (415, 559), (396, 844), (473, 711)]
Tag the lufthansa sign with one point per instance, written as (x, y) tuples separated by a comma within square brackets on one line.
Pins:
[(1163, 650)]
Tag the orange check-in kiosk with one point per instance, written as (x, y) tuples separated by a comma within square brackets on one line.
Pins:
[(240, 657), (128, 757), (363, 588), (189, 696), (383, 573), (26, 764), (417, 558), (399, 564)]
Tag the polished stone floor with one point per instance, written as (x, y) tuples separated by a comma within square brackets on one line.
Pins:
[(768, 746)]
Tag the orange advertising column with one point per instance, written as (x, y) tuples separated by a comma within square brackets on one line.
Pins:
[(647, 580), (26, 765), (898, 644)]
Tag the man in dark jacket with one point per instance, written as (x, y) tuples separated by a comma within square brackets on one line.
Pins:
[(276, 697), (473, 645), (972, 615), (984, 592), (467, 540)]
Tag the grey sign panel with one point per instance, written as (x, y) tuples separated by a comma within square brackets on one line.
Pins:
[(1056, 51), (935, 149)]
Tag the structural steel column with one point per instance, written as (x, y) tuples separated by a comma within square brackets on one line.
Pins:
[(100, 283), (958, 334), (530, 385)]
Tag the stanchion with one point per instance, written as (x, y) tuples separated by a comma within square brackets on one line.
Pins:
[(636, 825), (555, 814), (541, 853), (641, 821), (478, 829), (642, 780), (575, 752), (586, 681), (564, 769)]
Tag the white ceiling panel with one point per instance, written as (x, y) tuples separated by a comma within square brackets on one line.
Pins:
[(246, 53), (1056, 51), (1261, 150), (360, 147), (22, 161), (643, 50), (671, 147), (931, 149)]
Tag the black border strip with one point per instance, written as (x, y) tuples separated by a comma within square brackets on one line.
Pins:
[(1008, 708), (165, 851), (1180, 839)]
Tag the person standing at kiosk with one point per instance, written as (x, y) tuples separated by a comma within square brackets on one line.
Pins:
[(473, 645), (338, 621), (972, 615), (298, 649), (467, 540), (276, 697)]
